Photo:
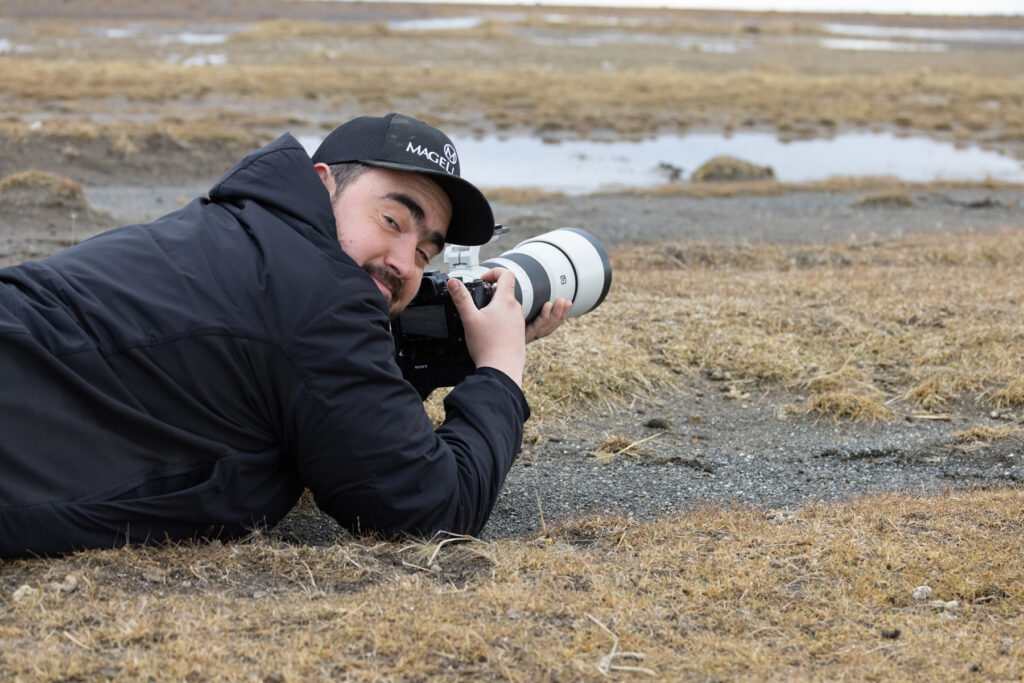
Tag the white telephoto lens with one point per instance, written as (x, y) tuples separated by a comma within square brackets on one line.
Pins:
[(565, 263)]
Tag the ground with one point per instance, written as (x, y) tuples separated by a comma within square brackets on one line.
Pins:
[(702, 439), (688, 501)]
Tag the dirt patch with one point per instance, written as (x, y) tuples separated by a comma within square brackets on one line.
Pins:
[(43, 213), (98, 159)]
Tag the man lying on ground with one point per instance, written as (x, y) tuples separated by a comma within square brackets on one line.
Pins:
[(189, 378)]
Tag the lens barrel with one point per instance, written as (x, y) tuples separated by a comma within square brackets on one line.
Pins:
[(568, 263)]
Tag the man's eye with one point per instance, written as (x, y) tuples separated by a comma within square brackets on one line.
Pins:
[(423, 255), (391, 221)]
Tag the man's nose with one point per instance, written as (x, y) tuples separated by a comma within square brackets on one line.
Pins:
[(402, 258)]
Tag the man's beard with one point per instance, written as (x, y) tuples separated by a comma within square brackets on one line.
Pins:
[(391, 281)]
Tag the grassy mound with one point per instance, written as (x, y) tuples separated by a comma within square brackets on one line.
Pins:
[(40, 188), (731, 169)]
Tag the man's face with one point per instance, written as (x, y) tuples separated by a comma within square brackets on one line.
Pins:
[(391, 223)]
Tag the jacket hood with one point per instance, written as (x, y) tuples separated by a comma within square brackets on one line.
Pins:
[(281, 177)]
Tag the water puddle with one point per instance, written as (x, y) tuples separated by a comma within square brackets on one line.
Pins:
[(201, 60), (615, 37), (437, 24), (881, 45), (581, 167), (208, 34), (957, 35)]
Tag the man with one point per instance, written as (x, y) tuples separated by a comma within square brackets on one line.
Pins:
[(190, 377)]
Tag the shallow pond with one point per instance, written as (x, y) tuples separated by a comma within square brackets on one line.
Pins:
[(580, 167)]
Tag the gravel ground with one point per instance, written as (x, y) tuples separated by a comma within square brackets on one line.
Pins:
[(798, 217), (709, 449)]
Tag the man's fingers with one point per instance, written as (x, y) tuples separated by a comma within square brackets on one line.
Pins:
[(551, 317), (496, 275), (506, 281), (461, 298)]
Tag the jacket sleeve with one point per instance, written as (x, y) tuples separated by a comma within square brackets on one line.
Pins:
[(365, 446)]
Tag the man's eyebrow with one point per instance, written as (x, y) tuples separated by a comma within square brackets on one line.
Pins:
[(408, 202), (433, 236)]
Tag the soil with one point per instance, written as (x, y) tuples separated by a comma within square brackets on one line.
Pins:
[(696, 443)]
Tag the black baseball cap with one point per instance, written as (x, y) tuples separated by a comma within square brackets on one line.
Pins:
[(407, 144)]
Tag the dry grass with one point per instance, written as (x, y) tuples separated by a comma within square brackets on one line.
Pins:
[(868, 329), (1011, 395), (861, 330), (783, 79), (731, 169), (822, 593), (642, 100), (40, 182), (890, 199), (614, 446), (984, 434), (879, 186)]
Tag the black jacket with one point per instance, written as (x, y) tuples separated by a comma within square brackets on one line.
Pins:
[(191, 376)]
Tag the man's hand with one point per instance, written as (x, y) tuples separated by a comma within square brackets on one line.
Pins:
[(550, 318), (495, 334)]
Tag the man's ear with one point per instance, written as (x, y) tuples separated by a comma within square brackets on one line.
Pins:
[(324, 171)]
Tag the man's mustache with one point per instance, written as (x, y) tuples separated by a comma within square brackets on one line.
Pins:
[(388, 277)]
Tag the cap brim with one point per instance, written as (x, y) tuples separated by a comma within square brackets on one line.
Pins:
[(472, 222)]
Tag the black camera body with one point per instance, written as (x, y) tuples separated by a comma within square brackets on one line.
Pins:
[(430, 343)]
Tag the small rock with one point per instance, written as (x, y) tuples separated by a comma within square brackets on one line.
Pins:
[(436, 568), (154, 575), (25, 594), (922, 592), (658, 423), (779, 516), (512, 613), (671, 171), (69, 585), (942, 604), (891, 634)]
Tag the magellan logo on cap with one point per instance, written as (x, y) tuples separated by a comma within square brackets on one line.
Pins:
[(446, 162)]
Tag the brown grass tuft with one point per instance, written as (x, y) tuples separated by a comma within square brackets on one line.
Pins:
[(731, 169), (845, 404), (613, 446), (984, 434), (42, 183), (895, 198), (1011, 395)]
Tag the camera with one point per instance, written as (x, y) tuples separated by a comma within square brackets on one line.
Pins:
[(430, 344)]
